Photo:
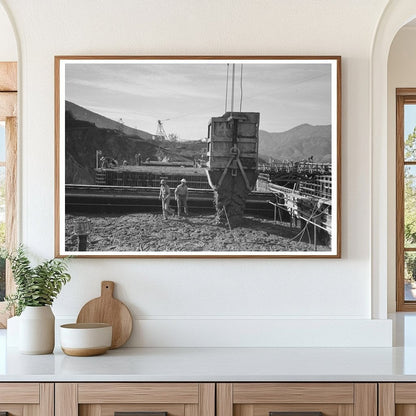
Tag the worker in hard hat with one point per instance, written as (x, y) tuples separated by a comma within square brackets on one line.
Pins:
[(164, 196), (181, 197)]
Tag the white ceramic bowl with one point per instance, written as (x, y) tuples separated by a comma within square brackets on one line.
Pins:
[(84, 340)]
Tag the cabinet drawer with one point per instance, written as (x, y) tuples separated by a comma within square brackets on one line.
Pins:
[(146, 399), (21, 399), (397, 399), (297, 399)]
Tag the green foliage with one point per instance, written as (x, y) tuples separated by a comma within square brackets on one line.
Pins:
[(35, 286), (410, 205), (410, 146), (410, 269), (2, 234), (410, 191), (410, 208)]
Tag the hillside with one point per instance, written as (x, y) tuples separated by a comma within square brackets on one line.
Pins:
[(86, 132), (296, 144), (81, 113), (84, 138)]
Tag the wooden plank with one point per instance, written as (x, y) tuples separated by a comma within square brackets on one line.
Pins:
[(405, 393), (207, 399), (405, 91), (8, 105), (11, 207), (11, 195), (341, 393), (30, 410), (224, 399), (57, 158), (8, 108), (345, 410), (66, 399), (190, 410), (246, 410), (365, 399), (403, 96), (400, 304), (138, 393), (8, 76), (386, 399), (23, 393), (47, 399), (405, 410), (90, 410)]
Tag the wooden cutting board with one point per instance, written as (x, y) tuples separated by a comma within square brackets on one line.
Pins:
[(107, 309)]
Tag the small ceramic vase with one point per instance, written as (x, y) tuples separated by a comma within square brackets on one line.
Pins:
[(37, 330)]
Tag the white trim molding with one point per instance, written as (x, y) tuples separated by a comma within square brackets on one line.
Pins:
[(396, 15)]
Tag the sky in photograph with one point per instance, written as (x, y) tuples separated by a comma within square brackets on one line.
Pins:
[(409, 119), (185, 96)]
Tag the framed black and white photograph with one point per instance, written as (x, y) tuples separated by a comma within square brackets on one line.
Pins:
[(198, 156)]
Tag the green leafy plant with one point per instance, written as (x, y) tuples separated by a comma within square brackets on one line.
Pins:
[(38, 285)]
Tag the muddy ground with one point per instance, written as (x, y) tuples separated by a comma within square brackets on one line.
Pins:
[(144, 232)]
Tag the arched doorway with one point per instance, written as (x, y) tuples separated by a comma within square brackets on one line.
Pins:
[(396, 15)]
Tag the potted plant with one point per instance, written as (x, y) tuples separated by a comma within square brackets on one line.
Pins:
[(36, 289)]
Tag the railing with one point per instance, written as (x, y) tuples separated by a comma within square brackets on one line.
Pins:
[(296, 167)]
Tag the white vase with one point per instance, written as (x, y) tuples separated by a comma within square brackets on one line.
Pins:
[(12, 334), (37, 330)]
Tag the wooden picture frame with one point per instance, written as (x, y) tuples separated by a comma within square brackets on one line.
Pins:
[(256, 140)]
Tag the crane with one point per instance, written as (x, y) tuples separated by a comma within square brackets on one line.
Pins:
[(160, 130)]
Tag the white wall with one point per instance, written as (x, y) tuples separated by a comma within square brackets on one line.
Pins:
[(8, 47), (245, 302), (401, 74)]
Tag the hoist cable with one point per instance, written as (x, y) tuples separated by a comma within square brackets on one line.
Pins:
[(241, 87), (226, 90)]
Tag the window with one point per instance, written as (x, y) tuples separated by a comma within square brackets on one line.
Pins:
[(8, 166), (406, 199), (2, 206)]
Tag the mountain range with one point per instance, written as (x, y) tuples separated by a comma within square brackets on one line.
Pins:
[(297, 144), (81, 113), (86, 132)]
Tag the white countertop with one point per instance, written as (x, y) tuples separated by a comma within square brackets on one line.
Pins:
[(222, 364), (215, 364)]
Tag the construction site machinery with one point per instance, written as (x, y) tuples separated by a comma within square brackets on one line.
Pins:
[(232, 162)]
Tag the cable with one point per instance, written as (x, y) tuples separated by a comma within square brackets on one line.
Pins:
[(232, 89), (241, 87), (226, 90)]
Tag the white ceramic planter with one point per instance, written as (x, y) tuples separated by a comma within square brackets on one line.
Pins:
[(37, 330), (12, 334)]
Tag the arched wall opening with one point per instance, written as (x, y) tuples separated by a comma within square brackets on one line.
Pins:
[(401, 73), (396, 15), (8, 44)]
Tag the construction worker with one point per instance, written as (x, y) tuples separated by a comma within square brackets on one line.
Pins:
[(164, 196), (181, 197)]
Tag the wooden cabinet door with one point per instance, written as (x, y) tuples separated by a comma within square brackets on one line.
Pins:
[(397, 399), (143, 399), (297, 399), (26, 399)]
